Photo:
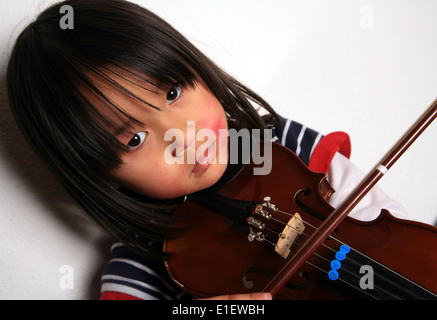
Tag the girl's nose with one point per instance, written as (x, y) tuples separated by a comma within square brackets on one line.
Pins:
[(184, 139), (181, 134)]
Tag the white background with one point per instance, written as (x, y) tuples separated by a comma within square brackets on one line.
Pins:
[(364, 67)]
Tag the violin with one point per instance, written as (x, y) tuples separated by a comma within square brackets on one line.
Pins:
[(278, 233)]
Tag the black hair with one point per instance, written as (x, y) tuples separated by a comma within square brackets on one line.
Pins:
[(50, 74)]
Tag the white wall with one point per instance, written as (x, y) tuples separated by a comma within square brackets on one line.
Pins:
[(364, 67)]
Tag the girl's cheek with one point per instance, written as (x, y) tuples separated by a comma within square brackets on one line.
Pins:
[(167, 190), (220, 123), (214, 119), (168, 180)]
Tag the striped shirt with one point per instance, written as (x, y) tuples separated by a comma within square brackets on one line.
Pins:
[(129, 274), (298, 138)]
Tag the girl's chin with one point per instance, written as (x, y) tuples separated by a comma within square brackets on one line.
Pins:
[(206, 177)]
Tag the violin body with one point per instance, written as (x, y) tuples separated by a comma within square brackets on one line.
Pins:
[(387, 258)]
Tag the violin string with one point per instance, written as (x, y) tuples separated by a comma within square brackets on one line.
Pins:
[(278, 235), (352, 248), (310, 225), (300, 232), (286, 223), (326, 260), (387, 268), (314, 253), (331, 237), (349, 284), (354, 275), (341, 242), (321, 257)]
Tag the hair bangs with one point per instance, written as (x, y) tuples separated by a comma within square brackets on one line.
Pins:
[(92, 56)]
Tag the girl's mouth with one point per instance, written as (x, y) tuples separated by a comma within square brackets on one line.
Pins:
[(204, 160)]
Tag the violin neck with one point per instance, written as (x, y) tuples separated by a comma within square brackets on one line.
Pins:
[(377, 282)]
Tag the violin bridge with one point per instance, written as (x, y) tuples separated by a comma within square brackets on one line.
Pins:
[(294, 227)]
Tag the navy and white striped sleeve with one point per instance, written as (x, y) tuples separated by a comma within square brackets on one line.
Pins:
[(298, 138), (130, 274)]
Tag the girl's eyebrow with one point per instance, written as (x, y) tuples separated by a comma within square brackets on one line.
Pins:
[(121, 129), (125, 126)]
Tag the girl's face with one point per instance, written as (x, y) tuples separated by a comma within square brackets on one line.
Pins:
[(147, 168)]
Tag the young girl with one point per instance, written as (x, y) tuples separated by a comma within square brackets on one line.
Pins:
[(96, 102)]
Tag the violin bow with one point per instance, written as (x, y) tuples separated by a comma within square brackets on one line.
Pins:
[(343, 210)]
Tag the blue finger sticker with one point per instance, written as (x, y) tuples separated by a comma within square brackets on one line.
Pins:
[(335, 264), (340, 255), (345, 249), (333, 275)]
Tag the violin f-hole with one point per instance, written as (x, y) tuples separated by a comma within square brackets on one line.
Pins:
[(248, 284), (305, 208)]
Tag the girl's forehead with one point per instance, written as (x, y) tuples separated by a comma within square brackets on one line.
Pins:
[(117, 98), (110, 80), (120, 96)]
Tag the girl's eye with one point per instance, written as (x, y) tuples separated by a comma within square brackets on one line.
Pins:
[(137, 140), (173, 93)]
